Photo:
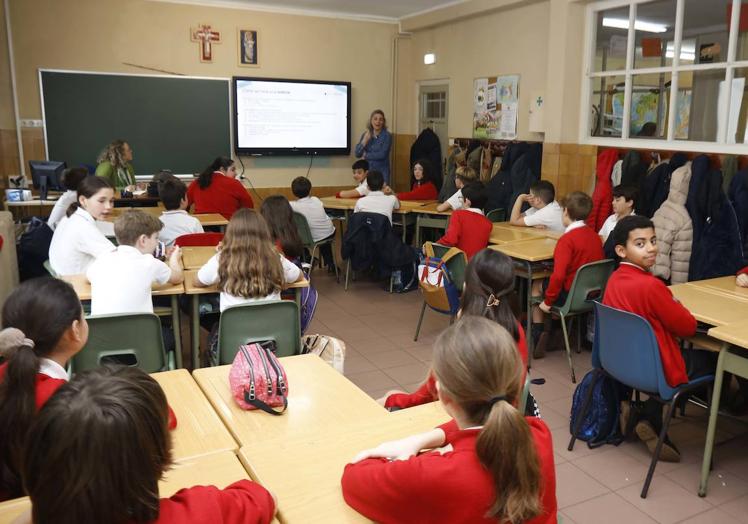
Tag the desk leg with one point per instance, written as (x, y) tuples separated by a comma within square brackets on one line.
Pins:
[(177, 331), (195, 331), (528, 333), (418, 231)]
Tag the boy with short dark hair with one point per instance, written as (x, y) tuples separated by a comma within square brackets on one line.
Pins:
[(544, 212), (464, 175), (623, 205), (376, 201), (176, 220), (313, 210), (121, 279), (469, 229), (360, 175)]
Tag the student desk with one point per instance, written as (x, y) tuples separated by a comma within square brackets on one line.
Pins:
[(194, 257), (532, 231), (320, 399), (83, 288), (709, 305), (503, 235), (312, 492), (206, 219), (348, 204), (152, 210), (199, 430), (191, 289), (724, 285)]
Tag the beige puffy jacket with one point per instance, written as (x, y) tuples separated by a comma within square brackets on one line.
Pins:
[(674, 230)]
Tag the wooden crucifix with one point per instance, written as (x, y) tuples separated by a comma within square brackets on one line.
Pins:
[(206, 37)]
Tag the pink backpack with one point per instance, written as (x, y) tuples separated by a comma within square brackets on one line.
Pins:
[(257, 380)]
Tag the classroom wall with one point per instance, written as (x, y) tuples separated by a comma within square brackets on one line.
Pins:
[(106, 35)]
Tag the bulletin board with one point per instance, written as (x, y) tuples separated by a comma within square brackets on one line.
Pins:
[(495, 104)]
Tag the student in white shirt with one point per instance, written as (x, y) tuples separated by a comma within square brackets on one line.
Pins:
[(177, 221), (121, 280), (248, 267), (623, 205), (71, 177), (544, 213), (376, 201), (360, 175), (464, 175), (312, 208), (77, 240)]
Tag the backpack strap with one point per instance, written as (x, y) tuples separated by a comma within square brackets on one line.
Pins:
[(453, 252), (428, 249)]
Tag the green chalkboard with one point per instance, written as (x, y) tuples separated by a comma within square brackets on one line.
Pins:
[(173, 123)]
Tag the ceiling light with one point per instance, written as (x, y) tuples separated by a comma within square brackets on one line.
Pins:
[(429, 58), (639, 25)]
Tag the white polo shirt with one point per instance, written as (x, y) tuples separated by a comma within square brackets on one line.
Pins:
[(549, 216), (456, 201), (52, 369), (121, 281), (314, 211), (176, 223), (61, 207), (609, 225), (208, 275), (76, 243), (363, 188), (377, 202)]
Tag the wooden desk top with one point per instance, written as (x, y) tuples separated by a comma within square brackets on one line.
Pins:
[(319, 398), (348, 204), (194, 257), (723, 285), (735, 333), (532, 250), (206, 219), (312, 493), (151, 210), (211, 219), (711, 306), (83, 287), (502, 235), (191, 289), (546, 233), (199, 430)]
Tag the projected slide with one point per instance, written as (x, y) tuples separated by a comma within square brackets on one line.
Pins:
[(291, 115)]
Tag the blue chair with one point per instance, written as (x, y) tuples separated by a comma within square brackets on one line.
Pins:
[(625, 349)]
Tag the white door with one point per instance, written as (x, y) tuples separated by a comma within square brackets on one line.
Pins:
[(433, 108)]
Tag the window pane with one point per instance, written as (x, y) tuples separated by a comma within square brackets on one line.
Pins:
[(610, 44), (696, 116), (654, 29), (707, 25), (606, 118), (650, 95), (737, 128)]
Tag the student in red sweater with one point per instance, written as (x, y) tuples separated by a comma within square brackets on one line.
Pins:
[(217, 190), (98, 449), (489, 278), (497, 465), (468, 228), (633, 288), (579, 245), (422, 186)]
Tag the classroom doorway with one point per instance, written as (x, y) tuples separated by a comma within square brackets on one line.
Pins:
[(433, 111)]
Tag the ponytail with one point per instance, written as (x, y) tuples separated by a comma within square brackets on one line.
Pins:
[(87, 188), (206, 177)]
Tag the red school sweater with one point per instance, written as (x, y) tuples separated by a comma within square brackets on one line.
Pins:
[(224, 195), (468, 231), (743, 271), (574, 249), (633, 289), (451, 487), (425, 191)]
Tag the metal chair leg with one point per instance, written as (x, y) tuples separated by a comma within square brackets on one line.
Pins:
[(420, 320), (658, 448), (347, 272), (578, 321), (568, 349), (334, 262)]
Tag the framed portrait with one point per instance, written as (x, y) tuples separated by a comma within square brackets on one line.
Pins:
[(248, 48)]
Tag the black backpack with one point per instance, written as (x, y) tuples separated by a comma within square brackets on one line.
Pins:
[(33, 249), (601, 422)]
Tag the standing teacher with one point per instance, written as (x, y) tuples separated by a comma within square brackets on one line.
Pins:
[(375, 144), (115, 166)]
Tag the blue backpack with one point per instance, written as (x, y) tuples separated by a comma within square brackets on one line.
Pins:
[(601, 423)]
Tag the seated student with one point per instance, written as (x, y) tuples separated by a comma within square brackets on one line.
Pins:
[(360, 175), (463, 175), (217, 190), (176, 220), (278, 216), (469, 229), (632, 287), (320, 225), (248, 267), (498, 465), (623, 206), (77, 240), (71, 177), (376, 201), (742, 277), (121, 280), (99, 448), (544, 212), (579, 245), (423, 187)]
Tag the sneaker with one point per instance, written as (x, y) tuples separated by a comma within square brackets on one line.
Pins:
[(646, 432), (541, 345)]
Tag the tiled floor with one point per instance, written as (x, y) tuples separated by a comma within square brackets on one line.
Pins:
[(594, 486)]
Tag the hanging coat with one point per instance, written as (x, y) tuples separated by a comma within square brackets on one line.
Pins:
[(427, 146), (738, 197), (656, 185), (602, 196), (633, 169), (674, 230), (729, 168), (525, 172)]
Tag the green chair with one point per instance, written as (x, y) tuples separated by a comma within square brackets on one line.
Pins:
[(276, 320), (588, 285), (132, 339), (306, 238), (49, 269), (496, 215)]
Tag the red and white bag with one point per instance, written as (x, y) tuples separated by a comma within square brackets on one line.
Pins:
[(257, 380)]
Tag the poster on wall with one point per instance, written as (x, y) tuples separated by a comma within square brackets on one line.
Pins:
[(495, 102)]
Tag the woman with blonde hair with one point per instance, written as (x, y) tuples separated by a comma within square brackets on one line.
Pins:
[(375, 143), (114, 165), (494, 465)]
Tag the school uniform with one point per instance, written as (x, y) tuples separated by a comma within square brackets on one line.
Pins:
[(579, 245), (49, 378), (121, 281), (61, 207), (313, 210), (449, 487), (239, 503), (362, 189), (633, 289), (549, 216), (609, 225), (224, 195), (743, 271), (425, 191), (469, 230), (176, 223), (377, 202), (208, 275), (456, 201), (76, 243)]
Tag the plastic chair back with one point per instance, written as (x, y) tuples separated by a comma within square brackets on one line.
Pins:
[(588, 285), (626, 348), (133, 338), (456, 265), (49, 269), (198, 239), (305, 234), (276, 320), (496, 215)]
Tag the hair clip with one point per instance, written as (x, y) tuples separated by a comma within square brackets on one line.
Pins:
[(492, 301)]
